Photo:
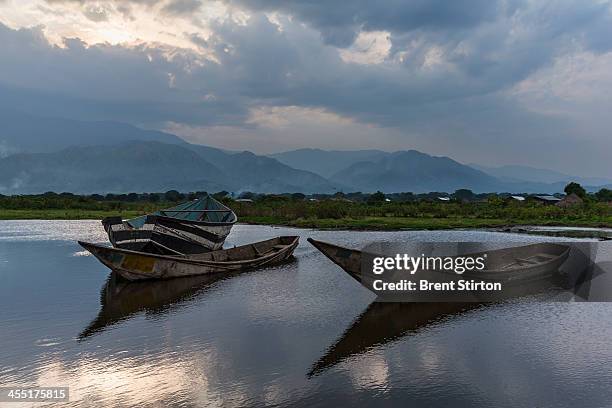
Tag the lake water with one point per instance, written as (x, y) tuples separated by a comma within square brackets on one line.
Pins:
[(302, 334)]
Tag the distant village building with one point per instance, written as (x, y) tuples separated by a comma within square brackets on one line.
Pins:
[(569, 201), (545, 199), (517, 198), (342, 199), (444, 199), (244, 200)]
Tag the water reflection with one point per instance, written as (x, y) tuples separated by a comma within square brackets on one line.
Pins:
[(384, 322), (121, 299), (250, 340)]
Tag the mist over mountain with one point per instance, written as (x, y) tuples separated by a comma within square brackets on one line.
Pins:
[(21, 132), (126, 167), (326, 163), (150, 166)]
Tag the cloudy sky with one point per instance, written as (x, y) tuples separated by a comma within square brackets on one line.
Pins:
[(487, 81)]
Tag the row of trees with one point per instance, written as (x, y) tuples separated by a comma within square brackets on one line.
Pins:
[(461, 195), (173, 196), (168, 196)]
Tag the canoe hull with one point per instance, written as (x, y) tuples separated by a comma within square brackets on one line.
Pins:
[(518, 280), (133, 265)]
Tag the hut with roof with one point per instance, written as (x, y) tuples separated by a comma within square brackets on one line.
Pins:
[(544, 199), (570, 200)]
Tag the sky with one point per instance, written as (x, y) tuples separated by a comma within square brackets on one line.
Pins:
[(491, 82)]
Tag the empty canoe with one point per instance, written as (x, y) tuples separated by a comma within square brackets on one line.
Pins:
[(513, 265), (134, 265)]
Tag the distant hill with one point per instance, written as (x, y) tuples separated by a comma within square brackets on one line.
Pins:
[(44, 153), (132, 166), (150, 166), (264, 174), (39, 154), (326, 163), (414, 171), (24, 133), (371, 170), (516, 173)]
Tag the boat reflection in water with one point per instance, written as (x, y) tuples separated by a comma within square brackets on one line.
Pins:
[(121, 299), (384, 322)]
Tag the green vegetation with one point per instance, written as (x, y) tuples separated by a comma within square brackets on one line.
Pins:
[(350, 211), (604, 195), (575, 188), (69, 206), (496, 211)]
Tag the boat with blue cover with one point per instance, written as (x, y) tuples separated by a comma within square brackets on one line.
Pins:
[(192, 227)]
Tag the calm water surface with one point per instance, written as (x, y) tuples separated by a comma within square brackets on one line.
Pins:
[(302, 334)]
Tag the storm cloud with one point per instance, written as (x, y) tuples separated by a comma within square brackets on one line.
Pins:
[(476, 80)]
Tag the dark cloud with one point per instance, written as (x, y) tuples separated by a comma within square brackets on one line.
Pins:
[(340, 21), (446, 78), (261, 65), (137, 85)]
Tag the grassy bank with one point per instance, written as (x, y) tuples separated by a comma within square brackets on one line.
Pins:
[(329, 214), (399, 223), (420, 214), (63, 214), (360, 223)]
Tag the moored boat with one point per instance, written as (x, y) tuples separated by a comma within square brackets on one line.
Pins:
[(134, 265), (512, 266), (193, 227)]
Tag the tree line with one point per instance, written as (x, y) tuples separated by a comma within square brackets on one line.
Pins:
[(69, 200)]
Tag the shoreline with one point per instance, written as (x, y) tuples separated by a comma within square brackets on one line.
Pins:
[(424, 224), (584, 231), (360, 224)]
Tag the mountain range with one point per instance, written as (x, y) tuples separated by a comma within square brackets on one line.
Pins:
[(39, 154), (413, 171), (326, 162), (370, 170), (22, 132), (140, 166)]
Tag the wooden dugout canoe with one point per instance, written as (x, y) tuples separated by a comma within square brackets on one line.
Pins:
[(189, 228), (133, 265), (513, 265)]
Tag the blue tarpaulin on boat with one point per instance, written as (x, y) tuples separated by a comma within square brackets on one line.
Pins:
[(204, 203)]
